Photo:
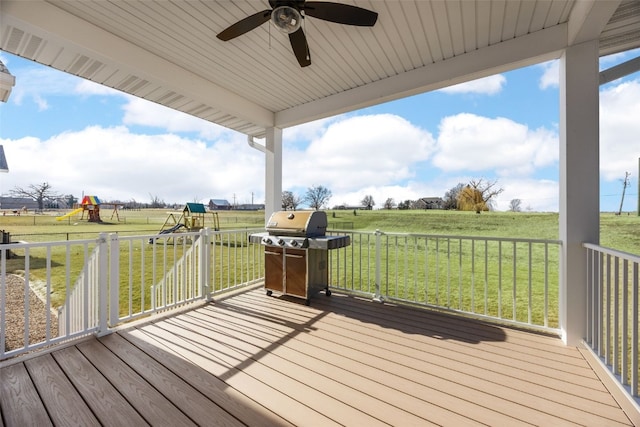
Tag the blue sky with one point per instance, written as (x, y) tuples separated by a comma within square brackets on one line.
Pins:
[(83, 138)]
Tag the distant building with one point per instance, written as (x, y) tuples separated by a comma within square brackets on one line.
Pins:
[(17, 203), (219, 205), (429, 203), (351, 208), (250, 207)]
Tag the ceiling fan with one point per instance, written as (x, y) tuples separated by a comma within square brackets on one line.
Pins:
[(287, 16)]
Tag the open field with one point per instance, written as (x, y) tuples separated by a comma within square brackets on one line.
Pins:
[(619, 232)]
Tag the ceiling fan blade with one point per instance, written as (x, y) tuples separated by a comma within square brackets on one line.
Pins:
[(341, 13), (245, 25), (300, 47)]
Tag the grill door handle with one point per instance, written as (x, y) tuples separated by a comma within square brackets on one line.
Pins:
[(272, 253), (295, 256)]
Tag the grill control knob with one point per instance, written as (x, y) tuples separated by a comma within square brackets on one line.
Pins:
[(267, 240), (281, 242), (294, 243)]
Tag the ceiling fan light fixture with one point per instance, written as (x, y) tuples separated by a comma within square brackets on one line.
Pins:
[(286, 19)]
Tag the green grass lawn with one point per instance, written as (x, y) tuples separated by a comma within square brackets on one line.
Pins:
[(619, 232)]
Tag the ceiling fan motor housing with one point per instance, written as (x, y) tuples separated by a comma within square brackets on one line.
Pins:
[(286, 18)]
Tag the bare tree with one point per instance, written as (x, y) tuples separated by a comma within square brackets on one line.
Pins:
[(317, 196), (286, 199), (368, 202), (389, 203), (290, 200), (40, 193), (478, 195), (515, 205), (156, 202)]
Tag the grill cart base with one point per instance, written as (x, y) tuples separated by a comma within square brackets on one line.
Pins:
[(296, 272)]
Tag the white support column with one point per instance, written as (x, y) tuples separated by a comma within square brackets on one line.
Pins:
[(273, 172), (579, 181)]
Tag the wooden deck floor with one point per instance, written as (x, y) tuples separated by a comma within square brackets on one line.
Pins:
[(258, 360)]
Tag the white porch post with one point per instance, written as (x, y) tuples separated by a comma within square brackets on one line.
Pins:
[(579, 181), (273, 172)]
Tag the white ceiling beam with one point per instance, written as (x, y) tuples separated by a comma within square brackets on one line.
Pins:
[(54, 24), (519, 52), (620, 70), (588, 18)]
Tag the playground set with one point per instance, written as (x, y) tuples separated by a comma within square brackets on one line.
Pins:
[(192, 218), (91, 205)]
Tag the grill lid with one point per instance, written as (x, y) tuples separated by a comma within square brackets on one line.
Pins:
[(297, 223)]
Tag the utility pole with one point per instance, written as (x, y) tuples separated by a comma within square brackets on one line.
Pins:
[(625, 182)]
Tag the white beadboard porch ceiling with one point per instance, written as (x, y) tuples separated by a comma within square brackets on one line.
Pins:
[(166, 50)]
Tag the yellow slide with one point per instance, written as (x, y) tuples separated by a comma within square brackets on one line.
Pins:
[(72, 213)]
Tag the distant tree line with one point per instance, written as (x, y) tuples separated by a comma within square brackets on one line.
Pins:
[(46, 198), (477, 195)]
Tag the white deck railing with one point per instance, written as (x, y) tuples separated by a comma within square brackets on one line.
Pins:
[(80, 314), (513, 280), (96, 284), (612, 324), (48, 269)]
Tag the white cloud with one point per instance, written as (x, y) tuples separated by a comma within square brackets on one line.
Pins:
[(114, 163), (358, 152), (474, 143), (38, 83), (619, 129), (485, 86), (539, 195), (550, 75)]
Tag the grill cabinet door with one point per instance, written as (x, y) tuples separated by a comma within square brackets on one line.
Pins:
[(296, 272), (273, 272)]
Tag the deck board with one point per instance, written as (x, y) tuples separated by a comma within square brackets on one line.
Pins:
[(19, 399), (400, 359), (106, 403), (272, 361), (155, 408), (193, 404), (228, 398), (62, 401)]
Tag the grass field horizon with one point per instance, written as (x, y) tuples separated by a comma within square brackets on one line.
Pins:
[(618, 232)]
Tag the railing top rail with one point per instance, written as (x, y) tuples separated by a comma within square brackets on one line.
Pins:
[(188, 233), (620, 254), (455, 237), (19, 245)]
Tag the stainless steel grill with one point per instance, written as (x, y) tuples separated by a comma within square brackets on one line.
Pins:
[(296, 253)]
